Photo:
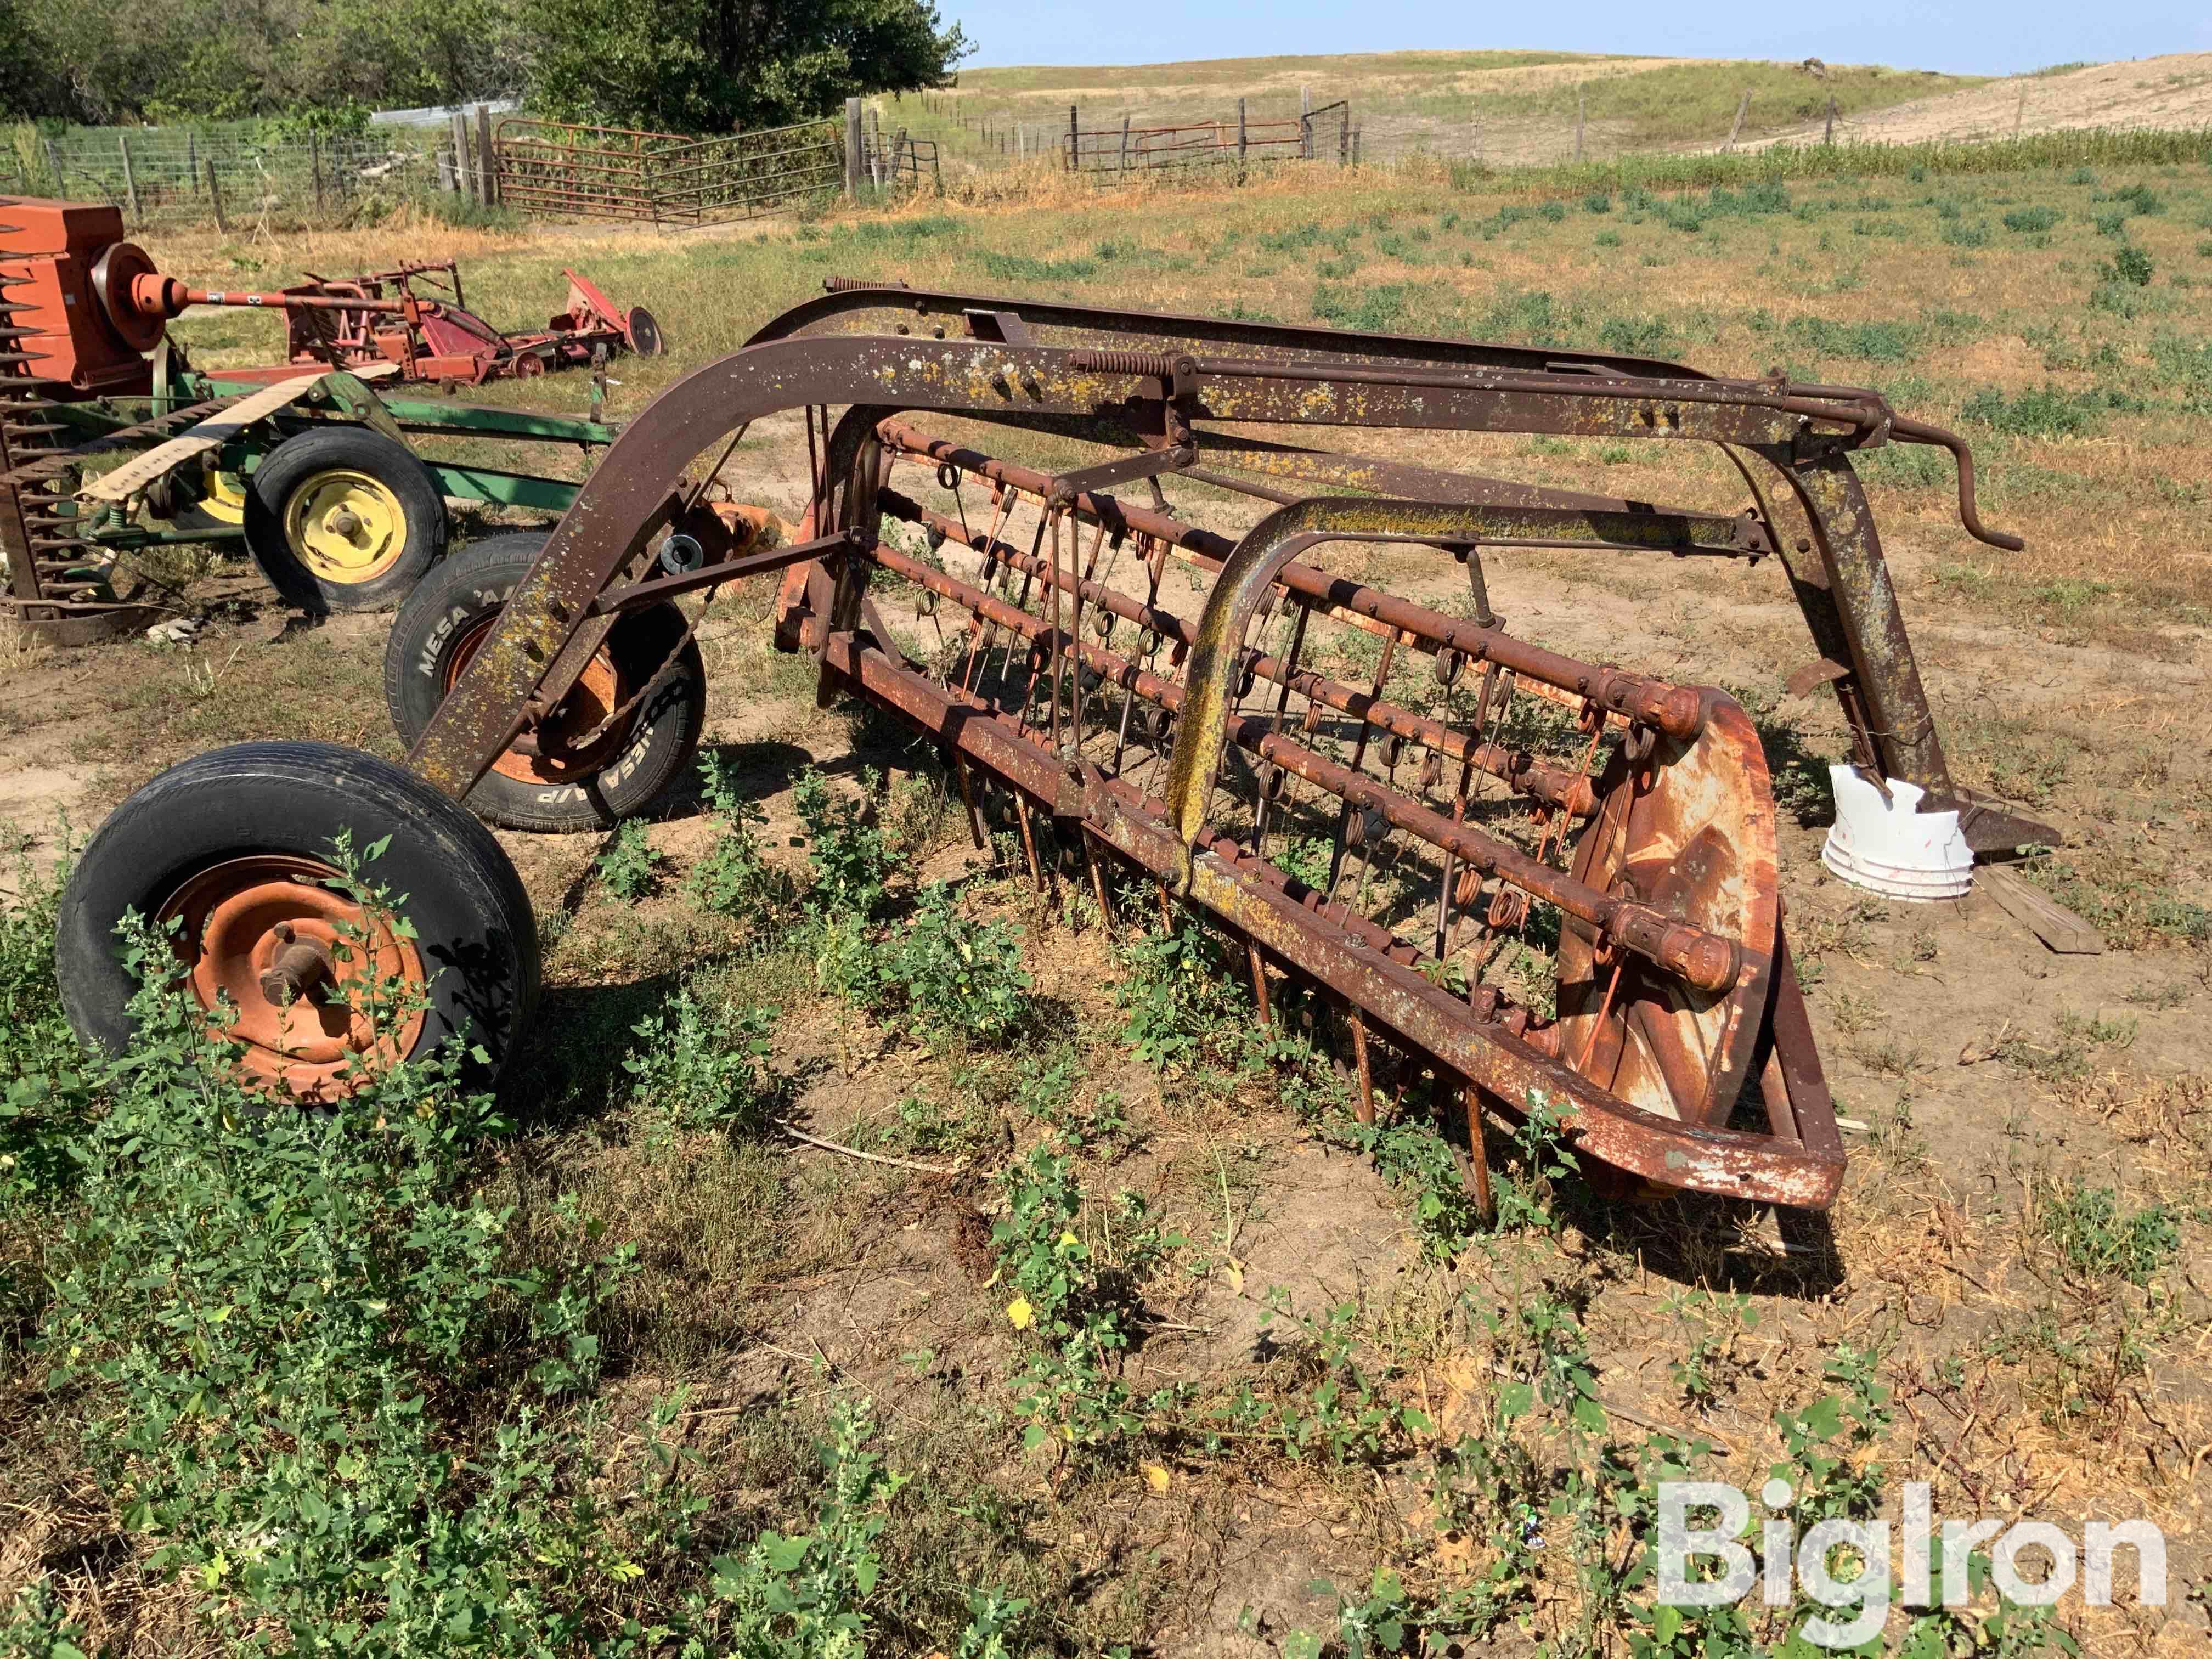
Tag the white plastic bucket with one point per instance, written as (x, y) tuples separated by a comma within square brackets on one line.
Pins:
[(1891, 847)]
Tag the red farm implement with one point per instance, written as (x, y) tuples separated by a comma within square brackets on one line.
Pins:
[(414, 318), (308, 466)]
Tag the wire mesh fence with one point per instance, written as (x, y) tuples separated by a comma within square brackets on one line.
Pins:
[(1325, 134), (176, 175)]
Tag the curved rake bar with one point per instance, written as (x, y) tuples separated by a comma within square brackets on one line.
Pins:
[(1170, 392)]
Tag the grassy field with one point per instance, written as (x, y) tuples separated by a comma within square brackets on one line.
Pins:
[(1142, 1345), (1525, 102)]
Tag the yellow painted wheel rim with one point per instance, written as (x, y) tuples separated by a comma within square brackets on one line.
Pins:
[(223, 507), (225, 501), (345, 526)]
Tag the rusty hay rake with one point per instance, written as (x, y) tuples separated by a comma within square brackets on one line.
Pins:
[(1401, 802)]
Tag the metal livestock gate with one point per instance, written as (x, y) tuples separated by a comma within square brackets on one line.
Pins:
[(563, 169)]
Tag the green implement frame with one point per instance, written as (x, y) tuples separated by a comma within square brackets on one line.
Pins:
[(186, 401)]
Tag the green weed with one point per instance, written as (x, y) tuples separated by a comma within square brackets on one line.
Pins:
[(951, 977), (2095, 1234), (276, 1324), (694, 1069), (734, 878), (2046, 411), (1881, 343), (2129, 263), (45, 1093), (1181, 998), (853, 861), (1078, 1299), (1380, 308), (630, 866)]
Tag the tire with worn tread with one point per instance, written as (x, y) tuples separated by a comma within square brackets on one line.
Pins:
[(438, 628), (292, 502), (281, 804)]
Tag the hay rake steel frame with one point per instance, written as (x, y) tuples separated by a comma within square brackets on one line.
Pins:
[(1675, 988)]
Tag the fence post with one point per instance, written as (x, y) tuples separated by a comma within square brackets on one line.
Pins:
[(1355, 147), (1074, 143), (129, 182), (191, 162), (461, 152), (1581, 105), (315, 163), (852, 148), (215, 198), (1829, 136), (1736, 125), (1125, 141), (487, 164), (1240, 133), (1344, 137), (54, 161)]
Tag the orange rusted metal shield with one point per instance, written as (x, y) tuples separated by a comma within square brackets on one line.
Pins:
[(1689, 831)]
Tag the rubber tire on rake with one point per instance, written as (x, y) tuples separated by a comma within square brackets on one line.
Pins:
[(474, 934), (306, 456), (451, 609)]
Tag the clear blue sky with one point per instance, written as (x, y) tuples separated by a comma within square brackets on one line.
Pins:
[(1982, 37)]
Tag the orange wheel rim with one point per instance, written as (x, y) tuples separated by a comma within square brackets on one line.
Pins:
[(238, 920), (599, 691)]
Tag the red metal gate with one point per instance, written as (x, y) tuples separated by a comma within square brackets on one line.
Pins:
[(564, 170)]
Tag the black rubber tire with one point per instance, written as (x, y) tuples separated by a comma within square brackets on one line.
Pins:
[(355, 448), (473, 926), (664, 733)]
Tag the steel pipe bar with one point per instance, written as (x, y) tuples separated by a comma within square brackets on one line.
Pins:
[(1704, 959)]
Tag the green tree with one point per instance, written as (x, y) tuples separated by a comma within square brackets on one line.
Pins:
[(181, 60), (729, 65), (28, 84)]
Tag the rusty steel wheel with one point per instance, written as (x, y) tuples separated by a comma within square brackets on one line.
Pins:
[(1686, 827), (567, 779), (270, 935), (231, 855)]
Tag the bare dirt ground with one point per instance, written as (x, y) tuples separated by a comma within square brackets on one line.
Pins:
[(2174, 90)]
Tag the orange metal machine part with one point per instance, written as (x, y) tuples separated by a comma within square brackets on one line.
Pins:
[(67, 274)]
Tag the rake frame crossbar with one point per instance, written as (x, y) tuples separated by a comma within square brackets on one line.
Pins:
[(1676, 1003)]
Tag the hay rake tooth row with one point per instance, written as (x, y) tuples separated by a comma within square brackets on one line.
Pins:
[(1549, 883), (1233, 738)]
